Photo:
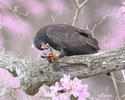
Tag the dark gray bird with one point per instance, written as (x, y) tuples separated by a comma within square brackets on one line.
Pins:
[(67, 39)]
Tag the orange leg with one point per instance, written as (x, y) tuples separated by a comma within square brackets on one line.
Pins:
[(51, 58)]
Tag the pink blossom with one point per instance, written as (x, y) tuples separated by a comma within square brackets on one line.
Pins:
[(55, 88), (76, 82), (83, 92), (16, 26), (123, 3), (79, 90), (55, 98), (75, 88), (74, 85), (35, 7), (8, 80), (122, 10), (65, 96), (57, 6), (65, 78), (65, 81), (5, 4)]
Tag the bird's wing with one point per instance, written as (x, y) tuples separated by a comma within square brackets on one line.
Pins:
[(70, 39), (89, 40), (62, 37)]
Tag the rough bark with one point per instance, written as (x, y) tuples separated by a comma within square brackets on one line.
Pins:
[(33, 75)]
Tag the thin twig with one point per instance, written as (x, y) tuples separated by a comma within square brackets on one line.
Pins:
[(76, 3), (123, 96), (115, 86), (76, 17), (100, 22), (53, 19), (83, 4), (123, 74), (79, 7)]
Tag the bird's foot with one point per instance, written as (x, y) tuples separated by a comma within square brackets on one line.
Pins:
[(51, 58)]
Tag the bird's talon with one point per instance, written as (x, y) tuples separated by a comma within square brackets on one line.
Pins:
[(52, 58), (51, 55)]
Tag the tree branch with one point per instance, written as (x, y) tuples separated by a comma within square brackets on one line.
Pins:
[(33, 75)]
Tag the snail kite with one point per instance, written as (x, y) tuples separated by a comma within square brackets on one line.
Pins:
[(67, 39)]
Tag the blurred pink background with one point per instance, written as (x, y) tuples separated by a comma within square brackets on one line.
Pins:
[(21, 19)]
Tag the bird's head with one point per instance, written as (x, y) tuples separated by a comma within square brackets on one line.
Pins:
[(41, 45), (40, 40)]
